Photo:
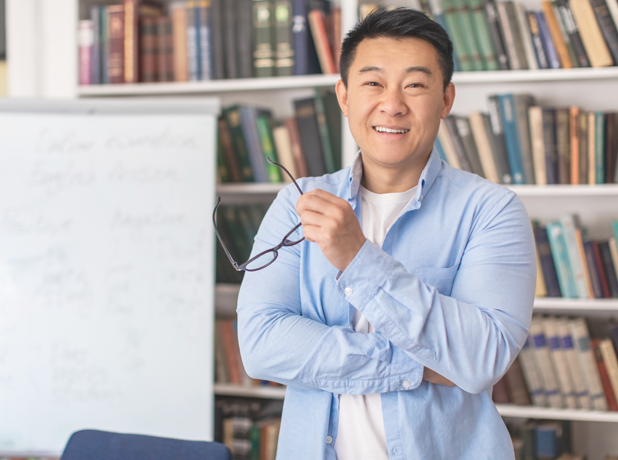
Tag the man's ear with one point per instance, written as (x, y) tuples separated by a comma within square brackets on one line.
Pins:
[(342, 97), (448, 100)]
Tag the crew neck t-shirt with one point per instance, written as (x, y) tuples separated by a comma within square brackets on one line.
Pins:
[(360, 432)]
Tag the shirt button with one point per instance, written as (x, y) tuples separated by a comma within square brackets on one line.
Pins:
[(329, 440), (406, 384), (395, 450), (348, 291)]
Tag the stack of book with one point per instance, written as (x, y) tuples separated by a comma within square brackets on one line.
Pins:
[(505, 35), (570, 265), (542, 440), (560, 367), (519, 142), (250, 428), (151, 41), (228, 363), (308, 144)]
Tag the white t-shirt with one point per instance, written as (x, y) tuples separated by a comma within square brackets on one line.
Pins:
[(361, 433)]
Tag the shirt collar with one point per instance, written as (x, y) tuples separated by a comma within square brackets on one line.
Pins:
[(428, 177)]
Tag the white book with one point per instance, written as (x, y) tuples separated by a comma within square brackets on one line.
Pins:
[(532, 375), (575, 261), (538, 342), (526, 36), (559, 362), (588, 363), (611, 362), (447, 145), (484, 147), (570, 353), (283, 144), (535, 119)]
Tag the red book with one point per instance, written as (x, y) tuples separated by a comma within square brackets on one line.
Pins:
[(131, 41), (607, 384), (500, 393), (297, 148), (320, 39), (86, 36), (601, 269), (229, 348), (115, 67)]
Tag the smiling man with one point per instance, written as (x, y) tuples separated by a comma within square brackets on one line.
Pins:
[(412, 293)]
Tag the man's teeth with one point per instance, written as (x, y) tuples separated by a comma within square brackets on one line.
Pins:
[(392, 131)]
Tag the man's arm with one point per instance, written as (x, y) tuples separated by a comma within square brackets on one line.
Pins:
[(277, 343), (472, 337)]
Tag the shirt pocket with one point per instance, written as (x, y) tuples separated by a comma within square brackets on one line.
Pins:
[(440, 278)]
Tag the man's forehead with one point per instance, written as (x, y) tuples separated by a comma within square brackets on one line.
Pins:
[(414, 49)]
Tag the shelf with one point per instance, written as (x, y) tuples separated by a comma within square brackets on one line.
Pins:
[(249, 188), (511, 410), (567, 306), (546, 75), (29, 454), (210, 86), (565, 190), (269, 392)]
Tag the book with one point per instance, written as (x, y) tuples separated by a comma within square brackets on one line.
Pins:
[(611, 363), (613, 249), (537, 41), (595, 278), (574, 143), (507, 25), (263, 40), (229, 41), (591, 148), (582, 257), (570, 28), (300, 38), (512, 138), (560, 20), (559, 362), (283, 144), (559, 252), (309, 134), (592, 37), (556, 35), (193, 49), (227, 148), (248, 122), (598, 259), (604, 375), (607, 26), (516, 386), (447, 145), (521, 104), (464, 17), (547, 262), (268, 146), (541, 288), (532, 374), (115, 68), (467, 140), (451, 125), (105, 63), (583, 147), (570, 353), (544, 364), (548, 45), (232, 118), (610, 270), (497, 140), (518, 34), (563, 148), (496, 34), (244, 36), (217, 39), (599, 144), (297, 148), (148, 50), (481, 139), (611, 146), (165, 56), (179, 41), (457, 33), (499, 393), (324, 130), (569, 226), (482, 34), (205, 39), (525, 36), (549, 145), (587, 361), (320, 40), (131, 41), (284, 49), (85, 39), (95, 67)]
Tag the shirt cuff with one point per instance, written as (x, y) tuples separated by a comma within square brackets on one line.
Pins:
[(362, 278), (409, 371)]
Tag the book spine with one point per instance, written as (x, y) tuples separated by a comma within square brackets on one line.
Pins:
[(148, 50), (483, 34), (559, 362), (283, 145), (548, 45), (105, 45), (547, 262), (244, 37), (95, 17), (549, 143), (556, 35), (192, 43), (509, 37), (205, 33), (115, 67), (536, 40), (217, 51), (563, 147), (467, 140), (592, 148), (571, 29), (611, 363), (86, 32), (588, 364), (583, 148), (457, 36), (496, 136), (574, 144), (297, 149), (604, 375), (300, 36), (228, 150), (565, 36), (611, 146), (164, 49), (532, 374), (595, 45), (284, 50), (544, 364), (484, 147), (521, 104), (268, 149), (496, 34), (465, 23), (607, 26), (457, 144), (320, 39), (535, 117), (248, 122), (131, 41), (613, 249), (555, 235), (325, 138), (582, 258), (598, 259), (511, 137), (231, 57), (437, 13), (511, 9), (574, 255), (232, 117), (573, 366), (611, 274), (197, 20), (591, 263), (516, 385), (263, 52), (447, 145), (309, 133), (179, 23), (526, 36)]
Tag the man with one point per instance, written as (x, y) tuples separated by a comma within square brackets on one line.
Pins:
[(412, 293)]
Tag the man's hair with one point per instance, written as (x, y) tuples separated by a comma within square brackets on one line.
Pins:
[(398, 23)]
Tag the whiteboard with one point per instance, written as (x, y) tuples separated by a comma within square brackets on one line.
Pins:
[(106, 270)]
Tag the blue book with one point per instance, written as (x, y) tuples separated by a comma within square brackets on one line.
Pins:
[(193, 40), (615, 227), (549, 440), (548, 44), (547, 262), (104, 45), (305, 56), (511, 136), (559, 252), (95, 68), (438, 15), (569, 226), (248, 122), (205, 41)]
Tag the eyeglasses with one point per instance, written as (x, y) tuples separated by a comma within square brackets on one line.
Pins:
[(264, 258)]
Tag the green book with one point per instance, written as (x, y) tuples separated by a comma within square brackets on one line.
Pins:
[(268, 147), (325, 139), (483, 34), (615, 226), (457, 35), (464, 16), (559, 253), (563, 31), (232, 117), (333, 119), (599, 145), (222, 172), (263, 39), (284, 49)]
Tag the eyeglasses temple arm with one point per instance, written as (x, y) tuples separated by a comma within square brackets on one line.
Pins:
[(214, 221), (286, 171)]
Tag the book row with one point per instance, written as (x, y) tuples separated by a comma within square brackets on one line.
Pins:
[(250, 428), (540, 440), (518, 142), (570, 265), (228, 363), (505, 35), (151, 41), (307, 144), (560, 367)]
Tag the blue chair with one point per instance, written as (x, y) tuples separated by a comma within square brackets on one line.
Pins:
[(103, 445)]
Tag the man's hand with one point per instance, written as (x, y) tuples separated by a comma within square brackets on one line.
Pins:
[(434, 377), (330, 222)]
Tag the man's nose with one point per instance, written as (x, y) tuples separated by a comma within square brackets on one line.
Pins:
[(393, 103)]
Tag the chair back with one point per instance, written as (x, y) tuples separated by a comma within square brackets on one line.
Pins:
[(104, 445)]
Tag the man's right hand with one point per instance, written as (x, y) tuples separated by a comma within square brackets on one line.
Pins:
[(434, 377)]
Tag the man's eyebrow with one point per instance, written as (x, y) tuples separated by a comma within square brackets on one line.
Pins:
[(418, 68)]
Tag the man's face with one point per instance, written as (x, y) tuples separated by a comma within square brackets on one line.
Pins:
[(394, 100)]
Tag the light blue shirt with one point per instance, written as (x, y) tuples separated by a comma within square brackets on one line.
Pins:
[(452, 289)]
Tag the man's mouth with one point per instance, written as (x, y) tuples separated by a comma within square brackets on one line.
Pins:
[(382, 129)]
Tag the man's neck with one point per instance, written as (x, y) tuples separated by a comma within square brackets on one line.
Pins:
[(380, 178)]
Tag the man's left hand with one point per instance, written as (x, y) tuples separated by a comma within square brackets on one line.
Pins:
[(330, 222)]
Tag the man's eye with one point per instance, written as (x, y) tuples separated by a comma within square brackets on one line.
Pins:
[(372, 83), (415, 85)]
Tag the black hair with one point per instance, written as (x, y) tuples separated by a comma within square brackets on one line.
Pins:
[(398, 23)]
